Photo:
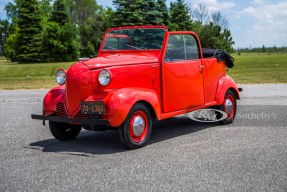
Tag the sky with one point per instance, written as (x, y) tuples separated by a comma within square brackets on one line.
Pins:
[(252, 22)]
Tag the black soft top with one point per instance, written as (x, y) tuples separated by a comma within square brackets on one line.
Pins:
[(220, 55)]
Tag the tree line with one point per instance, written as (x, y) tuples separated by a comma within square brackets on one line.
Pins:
[(42, 31), (263, 50)]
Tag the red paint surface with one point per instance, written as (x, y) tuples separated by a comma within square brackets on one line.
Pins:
[(142, 76)]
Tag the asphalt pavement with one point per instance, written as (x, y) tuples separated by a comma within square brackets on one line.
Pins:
[(182, 155)]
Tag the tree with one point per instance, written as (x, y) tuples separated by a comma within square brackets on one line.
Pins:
[(128, 12), (179, 16), (73, 26), (29, 37), (275, 49), (200, 14), (45, 9), (4, 32), (218, 19), (107, 15), (139, 12), (12, 10), (11, 46), (151, 14), (227, 41), (263, 49), (95, 31), (60, 37), (212, 36), (212, 29), (59, 13), (162, 9), (88, 17)]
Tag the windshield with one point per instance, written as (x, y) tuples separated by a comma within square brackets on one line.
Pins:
[(134, 39)]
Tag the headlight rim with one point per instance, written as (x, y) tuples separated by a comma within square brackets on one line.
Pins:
[(65, 77)]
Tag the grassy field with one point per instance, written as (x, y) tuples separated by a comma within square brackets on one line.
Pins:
[(256, 68), (251, 68), (28, 76)]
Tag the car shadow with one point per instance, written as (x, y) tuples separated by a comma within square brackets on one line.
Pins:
[(90, 143)]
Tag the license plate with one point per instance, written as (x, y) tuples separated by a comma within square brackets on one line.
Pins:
[(92, 107)]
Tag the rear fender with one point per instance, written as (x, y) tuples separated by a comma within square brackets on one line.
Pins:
[(224, 84), (122, 100), (55, 95)]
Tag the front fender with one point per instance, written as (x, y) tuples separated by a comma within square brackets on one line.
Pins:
[(55, 95), (122, 100), (224, 84)]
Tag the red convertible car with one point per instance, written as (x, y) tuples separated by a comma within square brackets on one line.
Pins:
[(141, 74)]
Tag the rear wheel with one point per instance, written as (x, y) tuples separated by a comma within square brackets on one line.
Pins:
[(229, 106), (64, 131), (136, 129)]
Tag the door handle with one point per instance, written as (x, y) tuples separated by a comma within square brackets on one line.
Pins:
[(201, 68)]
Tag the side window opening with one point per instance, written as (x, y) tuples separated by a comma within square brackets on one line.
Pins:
[(181, 47), (191, 47), (175, 49)]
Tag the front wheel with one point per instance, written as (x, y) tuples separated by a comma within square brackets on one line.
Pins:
[(229, 106), (136, 129), (64, 131)]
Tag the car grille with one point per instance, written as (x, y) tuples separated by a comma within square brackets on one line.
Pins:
[(60, 110)]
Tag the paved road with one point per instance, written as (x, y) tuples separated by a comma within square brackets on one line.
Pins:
[(183, 155)]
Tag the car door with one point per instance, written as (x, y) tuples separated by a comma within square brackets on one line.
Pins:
[(182, 74)]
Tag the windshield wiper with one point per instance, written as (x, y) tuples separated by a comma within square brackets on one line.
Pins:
[(133, 47)]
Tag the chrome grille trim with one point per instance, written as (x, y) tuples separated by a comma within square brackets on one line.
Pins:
[(60, 110)]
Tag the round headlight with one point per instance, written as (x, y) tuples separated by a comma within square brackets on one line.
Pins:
[(104, 77), (61, 76)]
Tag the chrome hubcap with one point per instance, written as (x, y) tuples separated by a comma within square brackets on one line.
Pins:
[(228, 106), (138, 126)]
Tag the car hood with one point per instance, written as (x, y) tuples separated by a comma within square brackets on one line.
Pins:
[(119, 59)]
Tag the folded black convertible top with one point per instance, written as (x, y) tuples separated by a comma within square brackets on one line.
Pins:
[(220, 55)]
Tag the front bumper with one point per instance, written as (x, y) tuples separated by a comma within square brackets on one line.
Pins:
[(82, 121)]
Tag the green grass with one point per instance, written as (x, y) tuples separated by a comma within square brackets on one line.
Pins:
[(250, 68), (256, 68), (28, 76)]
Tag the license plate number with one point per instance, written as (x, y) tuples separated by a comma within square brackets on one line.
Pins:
[(92, 107)]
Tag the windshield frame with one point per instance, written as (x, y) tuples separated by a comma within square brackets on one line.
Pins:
[(133, 50)]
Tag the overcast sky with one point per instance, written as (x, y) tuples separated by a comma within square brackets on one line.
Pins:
[(252, 22)]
